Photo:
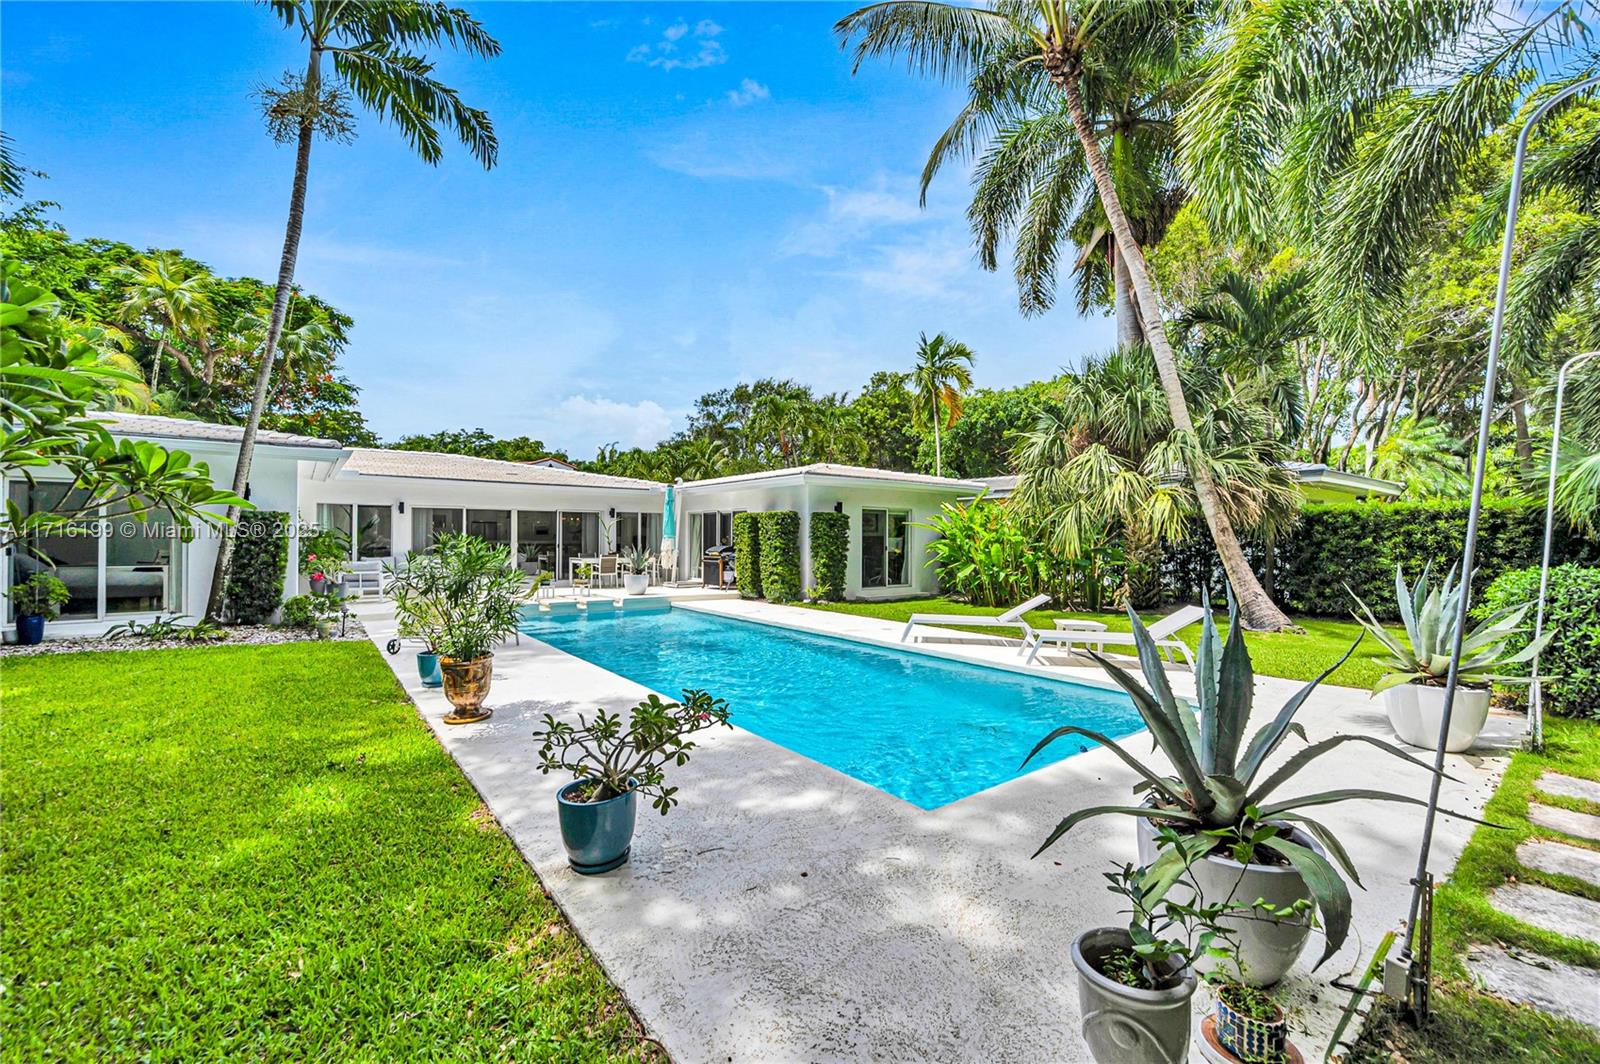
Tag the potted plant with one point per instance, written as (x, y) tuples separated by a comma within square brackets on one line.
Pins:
[(635, 565), (36, 600), (1246, 1026), (1244, 844), (612, 764), (461, 599), (322, 554), (1414, 684)]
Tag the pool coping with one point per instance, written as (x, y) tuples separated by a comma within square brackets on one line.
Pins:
[(786, 913)]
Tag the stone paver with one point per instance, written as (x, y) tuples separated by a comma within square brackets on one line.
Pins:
[(1583, 825), (1561, 859), (1530, 979), (1565, 914), (1568, 786)]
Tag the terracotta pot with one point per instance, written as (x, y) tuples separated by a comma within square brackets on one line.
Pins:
[(466, 685), (1416, 709)]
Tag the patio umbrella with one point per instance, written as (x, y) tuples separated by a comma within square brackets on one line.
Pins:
[(669, 534)]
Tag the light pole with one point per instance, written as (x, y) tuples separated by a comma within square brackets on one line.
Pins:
[(1535, 690), (1417, 963)]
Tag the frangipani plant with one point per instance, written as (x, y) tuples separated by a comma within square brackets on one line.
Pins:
[(1429, 614), (1222, 798)]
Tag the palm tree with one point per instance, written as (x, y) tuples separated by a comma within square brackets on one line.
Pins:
[(372, 48), (786, 420), (836, 435), (126, 389), (703, 458), (1061, 42), (1249, 331), (939, 380), (176, 302)]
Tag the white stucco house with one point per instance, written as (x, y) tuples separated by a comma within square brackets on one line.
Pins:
[(393, 502)]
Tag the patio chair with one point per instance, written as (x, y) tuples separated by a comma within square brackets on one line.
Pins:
[(1011, 618), (1162, 632), (607, 570)]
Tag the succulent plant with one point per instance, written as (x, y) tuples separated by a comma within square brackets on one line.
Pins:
[(1429, 614)]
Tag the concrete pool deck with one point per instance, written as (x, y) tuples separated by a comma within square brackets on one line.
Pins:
[(787, 912)]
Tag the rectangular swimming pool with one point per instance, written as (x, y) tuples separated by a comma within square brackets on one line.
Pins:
[(927, 730)]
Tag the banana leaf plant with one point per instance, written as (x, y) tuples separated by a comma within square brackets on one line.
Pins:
[(1429, 614), (1220, 799)]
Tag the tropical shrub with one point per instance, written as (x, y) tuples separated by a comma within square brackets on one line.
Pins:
[(984, 553), (1570, 663), (616, 758), (1220, 800), (41, 595), (461, 598), (260, 553), (1430, 614), (780, 555), (312, 613), (830, 553), (324, 550), (747, 554), (169, 628)]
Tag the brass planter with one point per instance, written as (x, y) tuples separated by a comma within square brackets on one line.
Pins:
[(466, 685)]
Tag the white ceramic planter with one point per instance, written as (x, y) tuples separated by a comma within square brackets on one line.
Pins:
[(1123, 1024), (1415, 711), (1267, 948), (635, 583)]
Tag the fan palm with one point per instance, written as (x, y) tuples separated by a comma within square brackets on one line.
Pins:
[(939, 380), (372, 47), (1062, 44), (174, 301)]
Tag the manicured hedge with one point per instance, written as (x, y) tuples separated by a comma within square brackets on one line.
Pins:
[(1570, 665), (1360, 544), (780, 555), (255, 577), (830, 552), (747, 554)]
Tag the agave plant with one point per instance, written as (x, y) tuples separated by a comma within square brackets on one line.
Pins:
[(1430, 613), (1219, 798), (636, 559)]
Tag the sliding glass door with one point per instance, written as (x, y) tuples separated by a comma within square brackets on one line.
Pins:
[(580, 538), (536, 541), (883, 548)]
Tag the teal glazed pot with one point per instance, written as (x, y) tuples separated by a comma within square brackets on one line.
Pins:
[(597, 835), (428, 669)]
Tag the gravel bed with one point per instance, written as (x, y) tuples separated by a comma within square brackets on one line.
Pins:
[(238, 635)]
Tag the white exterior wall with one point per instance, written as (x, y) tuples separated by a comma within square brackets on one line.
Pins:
[(811, 494)]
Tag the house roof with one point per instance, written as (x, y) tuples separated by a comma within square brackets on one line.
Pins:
[(840, 472), (428, 465), (177, 428)]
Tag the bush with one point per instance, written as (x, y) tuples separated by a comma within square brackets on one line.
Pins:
[(255, 579), (780, 555), (41, 595), (324, 550), (314, 613), (747, 554), (1571, 663), (830, 553)]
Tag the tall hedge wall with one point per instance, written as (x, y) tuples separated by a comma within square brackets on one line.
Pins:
[(830, 551), (255, 577), (1360, 543), (747, 554), (780, 555)]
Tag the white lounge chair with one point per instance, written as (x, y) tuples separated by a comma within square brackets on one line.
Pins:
[(1012, 618), (1162, 632)]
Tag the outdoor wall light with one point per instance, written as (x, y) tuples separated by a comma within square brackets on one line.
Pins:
[(611, 512), (402, 507), (838, 507)]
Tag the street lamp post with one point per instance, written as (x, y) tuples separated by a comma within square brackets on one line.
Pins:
[(1535, 690), (1415, 960)]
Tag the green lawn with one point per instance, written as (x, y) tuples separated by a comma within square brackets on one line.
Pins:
[(262, 853), (1293, 657), (1469, 1027)]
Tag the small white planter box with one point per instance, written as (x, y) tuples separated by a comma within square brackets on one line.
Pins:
[(1415, 711)]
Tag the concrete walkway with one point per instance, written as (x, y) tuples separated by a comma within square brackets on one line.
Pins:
[(786, 912)]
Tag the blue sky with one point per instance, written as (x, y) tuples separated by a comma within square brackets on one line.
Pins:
[(687, 196)]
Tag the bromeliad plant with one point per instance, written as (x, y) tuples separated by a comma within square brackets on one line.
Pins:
[(1429, 613), (1221, 799), (461, 598), (616, 758)]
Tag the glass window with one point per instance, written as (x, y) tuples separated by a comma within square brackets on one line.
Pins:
[(335, 515), (650, 532), (139, 569), (428, 523), (580, 538), (375, 532), (536, 541), (71, 553), (627, 530), (872, 543), (883, 548), (895, 563), (491, 526)]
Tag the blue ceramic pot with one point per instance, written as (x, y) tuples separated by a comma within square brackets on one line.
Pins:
[(428, 669), (1251, 1039), (30, 629), (597, 835)]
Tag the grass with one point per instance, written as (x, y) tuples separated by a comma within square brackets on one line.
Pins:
[(261, 852), (1290, 656), (1468, 1026)]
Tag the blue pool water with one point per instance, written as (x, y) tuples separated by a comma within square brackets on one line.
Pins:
[(924, 729)]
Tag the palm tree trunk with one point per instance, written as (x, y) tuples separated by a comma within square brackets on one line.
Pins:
[(280, 310), (1129, 329), (938, 457), (1519, 421), (1256, 607)]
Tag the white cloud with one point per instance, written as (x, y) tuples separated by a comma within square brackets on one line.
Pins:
[(851, 214), (681, 47), (585, 422), (749, 91), (935, 266)]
